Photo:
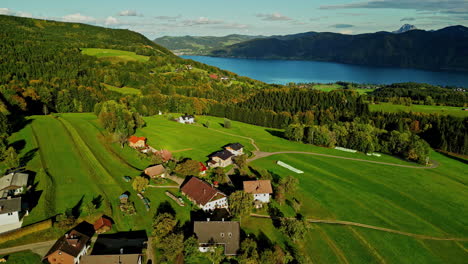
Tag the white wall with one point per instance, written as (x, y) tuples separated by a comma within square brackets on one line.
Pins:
[(220, 203), (262, 197), (6, 219)]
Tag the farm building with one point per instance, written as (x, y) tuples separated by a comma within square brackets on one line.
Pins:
[(213, 233), (186, 119), (10, 214), (235, 148), (13, 184), (165, 154), (221, 158), (137, 142), (69, 248), (204, 195), (156, 171), (260, 189), (123, 198), (102, 225)]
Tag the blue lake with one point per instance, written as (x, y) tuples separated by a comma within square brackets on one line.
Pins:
[(285, 71)]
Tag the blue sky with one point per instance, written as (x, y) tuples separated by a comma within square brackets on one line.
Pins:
[(155, 18)]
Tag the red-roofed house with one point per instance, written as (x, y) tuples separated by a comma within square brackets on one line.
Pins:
[(204, 195), (137, 142), (203, 168), (214, 76), (102, 225)]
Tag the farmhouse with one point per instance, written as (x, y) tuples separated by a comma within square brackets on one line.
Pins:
[(13, 184), (204, 195), (260, 189), (69, 248), (137, 142), (186, 119), (102, 225), (221, 158), (236, 148), (10, 210), (156, 171), (213, 233)]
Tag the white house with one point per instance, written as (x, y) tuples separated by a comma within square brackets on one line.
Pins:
[(10, 218), (13, 184), (260, 189), (186, 119), (235, 148), (204, 195)]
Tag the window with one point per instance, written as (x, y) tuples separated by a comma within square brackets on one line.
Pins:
[(10, 213), (230, 234), (221, 234)]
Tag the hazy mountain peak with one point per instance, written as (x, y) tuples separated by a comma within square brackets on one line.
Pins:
[(405, 28)]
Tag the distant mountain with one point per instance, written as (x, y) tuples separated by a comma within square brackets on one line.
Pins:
[(444, 49), (189, 45), (405, 28)]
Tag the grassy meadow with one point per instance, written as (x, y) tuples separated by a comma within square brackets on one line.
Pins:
[(23, 257), (74, 160), (443, 110), (123, 90), (114, 55)]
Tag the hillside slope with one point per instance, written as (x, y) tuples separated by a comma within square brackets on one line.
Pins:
[(193, 45), (448, 49)]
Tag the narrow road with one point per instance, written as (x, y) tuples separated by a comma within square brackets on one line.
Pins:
[(258, 154), (338, 222)]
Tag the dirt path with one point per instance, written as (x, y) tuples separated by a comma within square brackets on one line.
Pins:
[(348, 223), (162, 187), (258, 154), (40, 248)]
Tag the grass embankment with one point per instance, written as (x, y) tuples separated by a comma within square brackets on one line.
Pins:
[(23, 257), (331, 87), (443, 110), (114, 55)]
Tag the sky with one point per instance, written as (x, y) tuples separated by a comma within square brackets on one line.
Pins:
[(155, 18)]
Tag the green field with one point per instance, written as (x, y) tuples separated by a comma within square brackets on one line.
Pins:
[(331, 87), (114, 55), (123, 90), (443, 110), (74, 160)]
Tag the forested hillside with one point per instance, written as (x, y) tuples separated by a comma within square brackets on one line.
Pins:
[(50, 66), (448, 49), (193, 45)]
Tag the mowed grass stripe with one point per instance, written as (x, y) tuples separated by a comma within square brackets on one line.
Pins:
[(63, 163)]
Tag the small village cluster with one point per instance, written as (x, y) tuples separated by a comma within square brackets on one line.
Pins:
[(74, 246)]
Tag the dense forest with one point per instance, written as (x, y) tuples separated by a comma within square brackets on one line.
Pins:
[(44, 70), (447, 49), (422, 94)]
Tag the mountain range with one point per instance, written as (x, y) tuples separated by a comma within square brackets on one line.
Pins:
[(443, 49)]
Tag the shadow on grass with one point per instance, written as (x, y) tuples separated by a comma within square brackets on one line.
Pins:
[(275, 133), (462, 160)]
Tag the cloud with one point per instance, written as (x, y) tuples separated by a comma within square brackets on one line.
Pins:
[(170, 18), (342, 26), (273, 17), (79, 18), (201, 21), (130, 13), (111, 21), (420, 5), (9, 12), (408, 19)]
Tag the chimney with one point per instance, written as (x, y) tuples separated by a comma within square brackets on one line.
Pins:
[(222, 219), (207, 219), (121, 251)]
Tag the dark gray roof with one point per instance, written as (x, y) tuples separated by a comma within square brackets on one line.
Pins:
[(10, 205), (234, 146), (223, 154), (14, 180), (226, 233)]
